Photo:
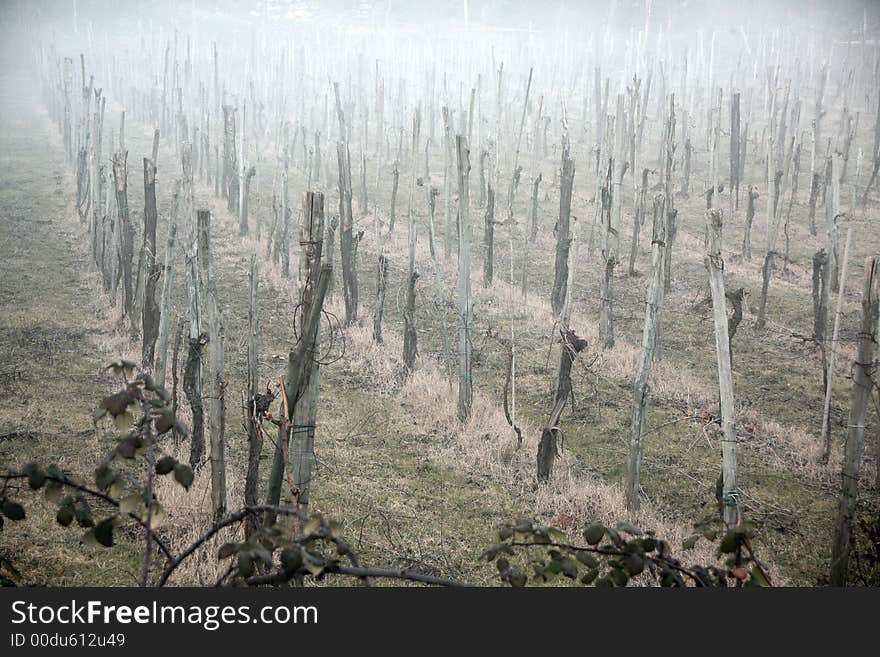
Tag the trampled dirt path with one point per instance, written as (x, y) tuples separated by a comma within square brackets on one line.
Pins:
[(51, 328)]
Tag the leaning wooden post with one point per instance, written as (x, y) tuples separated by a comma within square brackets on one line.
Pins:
[(150, 317), (249, 173), (465, 304), (572, 345), (302, 381), (829, 376), (126, 234), (860, 396), (489, 238), (312, 241), (609, 262), (715, 265), (230, 166), (347, 243), (653, 303), (381, 283), (167, 291), (410, 335), (563, 236), (253, 409), (216, 384), (192, 376)]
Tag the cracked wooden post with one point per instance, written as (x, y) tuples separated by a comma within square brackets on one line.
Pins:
[(150, 273), (750, 217), (653, 304), (735, 172), (563, 233), (832, 217), (860, 397), (192, 376), (715, 266), (548, 448), (448, 155), (829, 372), (96, 191), (284, 229), (410, 335), (230, 188), (167, 291), (489, 237), (347, 243), (609, 262), (638, 221), (216, 388), (249, 173), (465, 303), (381, 282), (395, 182), (668, 151), (126, 231), (253, 408), (301, 383)]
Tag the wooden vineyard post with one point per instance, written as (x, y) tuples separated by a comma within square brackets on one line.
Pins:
[(653, 305), (149, 272), (167, 291), (347, 244), (297, 428), (563, 236), (126, 231), (216, 384), (715, 266), (465, 303), (192, 376), (855, 439), (253, 408), (572, 345)]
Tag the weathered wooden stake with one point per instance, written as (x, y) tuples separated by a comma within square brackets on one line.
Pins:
[(715, 265), (855, 440), (653, 304), (465, 303)]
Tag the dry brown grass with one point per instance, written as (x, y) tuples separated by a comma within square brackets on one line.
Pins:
[(189, 516), (485, 445)]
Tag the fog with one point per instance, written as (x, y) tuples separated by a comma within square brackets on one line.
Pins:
[(588, 261)]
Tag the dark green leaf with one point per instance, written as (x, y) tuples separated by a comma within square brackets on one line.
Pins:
[(245, 564), (36, 475), (117, 404), (13, 510), (104, 532), (627, 528), (227, 550), (690, 542), (569, 567), (127, 447), (183, 474), (291, 560), (588, 559), (730, 543), (165, 465), (516, 578), (634, 564), (619, 577), (593, 534), (104, 476), (83, 513), (64, 516), (589, 576), (164, 421)]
